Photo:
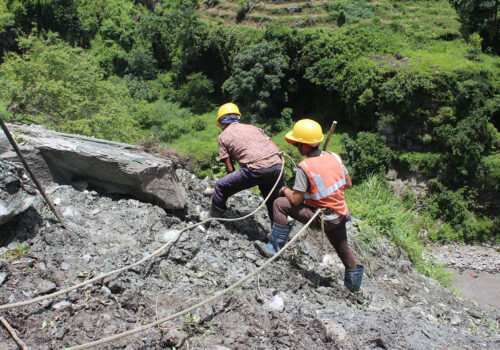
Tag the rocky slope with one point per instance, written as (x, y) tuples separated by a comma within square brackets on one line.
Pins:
[(296, 303)]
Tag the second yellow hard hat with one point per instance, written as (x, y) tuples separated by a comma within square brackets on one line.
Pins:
[(305, 131)]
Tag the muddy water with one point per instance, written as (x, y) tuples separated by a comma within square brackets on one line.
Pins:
[(481, 287)]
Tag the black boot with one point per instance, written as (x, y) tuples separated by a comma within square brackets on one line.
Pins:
[(216, 212), (353, 278)]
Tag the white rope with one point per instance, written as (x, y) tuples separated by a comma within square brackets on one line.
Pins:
[(155, 253), (196, 306)]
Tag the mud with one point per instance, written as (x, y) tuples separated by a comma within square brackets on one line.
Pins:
[(298, 302)]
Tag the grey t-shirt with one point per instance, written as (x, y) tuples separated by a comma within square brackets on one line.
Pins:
[(302, 182)]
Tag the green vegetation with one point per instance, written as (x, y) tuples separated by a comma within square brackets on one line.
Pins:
[(415, 84), (17, 252), (367, 155), (380, 213)]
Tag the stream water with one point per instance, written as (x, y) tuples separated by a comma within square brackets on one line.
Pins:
[(481, 287)]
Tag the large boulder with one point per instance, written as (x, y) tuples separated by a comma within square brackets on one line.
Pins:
[(110, 166), (16, 191)]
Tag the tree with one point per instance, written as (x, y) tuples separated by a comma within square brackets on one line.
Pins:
[(366, 155), (256, 80), (175, 34), (59, 86), (480, 16)]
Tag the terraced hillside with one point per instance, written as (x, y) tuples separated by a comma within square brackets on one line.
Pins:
[(437, 18)]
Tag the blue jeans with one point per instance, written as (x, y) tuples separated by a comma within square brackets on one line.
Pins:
[(245, 178)]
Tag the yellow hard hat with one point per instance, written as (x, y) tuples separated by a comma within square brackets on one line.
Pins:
[(228, 108), (305, 131)]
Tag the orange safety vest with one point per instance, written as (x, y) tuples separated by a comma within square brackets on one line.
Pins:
[(327, 182)]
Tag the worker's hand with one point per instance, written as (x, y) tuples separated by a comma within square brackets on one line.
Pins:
[(281, 192)]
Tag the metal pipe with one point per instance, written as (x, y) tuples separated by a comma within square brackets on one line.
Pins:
[(27, 167)]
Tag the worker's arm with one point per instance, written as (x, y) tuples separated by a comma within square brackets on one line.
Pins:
[(348, 181), (229, 165), (295, 197)]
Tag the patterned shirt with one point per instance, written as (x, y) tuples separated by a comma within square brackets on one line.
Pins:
[(244, 143)]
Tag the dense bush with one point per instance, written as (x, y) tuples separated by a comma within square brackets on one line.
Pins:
[(256, 81), (196, 92), (366, 155), (166, 120), (60, 87), (453, 207), (349, 11), (480, 16), (428, 164)]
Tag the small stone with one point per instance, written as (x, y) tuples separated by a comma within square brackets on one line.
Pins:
[(324, 290), (455, 320), (208, 191), (62, 305), (169, 234), (68, 212), (65, 266), (275, 304), (3, 277), (176, 337), (46, 287)]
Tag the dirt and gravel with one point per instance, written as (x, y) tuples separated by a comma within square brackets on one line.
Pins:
[(298, 302)]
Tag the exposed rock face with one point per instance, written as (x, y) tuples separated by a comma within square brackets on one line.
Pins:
[(111, 166), (16, 191)]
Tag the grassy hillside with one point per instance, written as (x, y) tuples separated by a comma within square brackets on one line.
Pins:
[(436, 18)]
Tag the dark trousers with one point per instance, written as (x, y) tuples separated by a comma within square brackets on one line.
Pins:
[(334, 229), (245, 178)]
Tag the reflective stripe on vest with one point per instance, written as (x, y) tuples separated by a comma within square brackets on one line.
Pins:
[(319, 195)]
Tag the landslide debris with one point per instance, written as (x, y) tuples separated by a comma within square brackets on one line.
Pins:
[(296, 303)]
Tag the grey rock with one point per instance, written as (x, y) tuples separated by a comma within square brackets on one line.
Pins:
[(294, 8), (276, 303), (16, 192), (45, 287), (111, 166), (3, 277)]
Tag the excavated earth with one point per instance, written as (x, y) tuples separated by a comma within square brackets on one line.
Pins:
[(298, 302)]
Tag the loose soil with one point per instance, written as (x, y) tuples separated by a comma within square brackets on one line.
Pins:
[(298, 302)]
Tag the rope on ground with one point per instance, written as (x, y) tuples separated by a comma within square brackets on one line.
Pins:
[(189, 309), (155, 253), (13, 334)]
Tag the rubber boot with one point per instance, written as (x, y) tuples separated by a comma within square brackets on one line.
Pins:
[(216, 212), (353, 278), (280, 235)]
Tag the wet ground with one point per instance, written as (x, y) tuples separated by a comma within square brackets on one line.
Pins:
[(476, 270), (481, 287)]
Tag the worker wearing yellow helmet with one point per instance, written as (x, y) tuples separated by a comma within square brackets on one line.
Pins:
[(254, 151), (320, 181)]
